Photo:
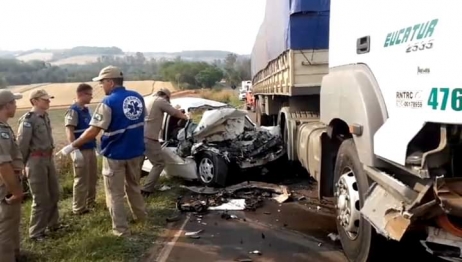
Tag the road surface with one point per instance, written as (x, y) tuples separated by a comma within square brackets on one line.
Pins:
[(279, 231)]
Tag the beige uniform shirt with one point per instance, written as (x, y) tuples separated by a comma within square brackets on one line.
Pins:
[(102, 117), (155, 110), (9, 150), (35, 134), (71, 118)]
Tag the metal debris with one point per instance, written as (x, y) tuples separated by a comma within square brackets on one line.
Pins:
[(244, 196)]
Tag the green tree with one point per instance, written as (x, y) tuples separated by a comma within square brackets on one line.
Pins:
[(209, 76)]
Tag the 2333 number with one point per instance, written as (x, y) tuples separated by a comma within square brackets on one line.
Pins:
[(420, 46), (441, 103)]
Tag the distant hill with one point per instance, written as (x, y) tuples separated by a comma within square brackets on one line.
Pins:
[(89, 54)]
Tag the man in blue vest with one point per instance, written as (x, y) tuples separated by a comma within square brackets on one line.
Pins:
[(77, 120), (121, 116)]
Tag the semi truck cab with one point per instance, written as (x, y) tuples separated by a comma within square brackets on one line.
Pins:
[(370, 106)]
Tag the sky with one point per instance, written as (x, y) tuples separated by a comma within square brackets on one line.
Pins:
[(133, 25)]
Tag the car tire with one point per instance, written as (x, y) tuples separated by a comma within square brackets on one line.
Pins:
[(212, 169), (362, 245)]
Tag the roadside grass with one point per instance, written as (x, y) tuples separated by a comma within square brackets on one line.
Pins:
[(89, 237), (222, 95)]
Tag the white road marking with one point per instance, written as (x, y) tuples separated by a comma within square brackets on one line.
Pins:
[(165, 252)]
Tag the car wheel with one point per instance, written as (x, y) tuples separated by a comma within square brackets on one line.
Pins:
[(359, 240), (212, 169)]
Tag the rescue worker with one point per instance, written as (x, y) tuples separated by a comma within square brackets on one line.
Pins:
[(11, 192), (35, 141), (77, 120), (120, 115), (155, 109)]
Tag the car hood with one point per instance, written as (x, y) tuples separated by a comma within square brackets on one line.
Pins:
[(190, 103)]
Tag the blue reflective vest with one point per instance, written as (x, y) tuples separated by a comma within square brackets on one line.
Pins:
[(84, 117), (124, 138)]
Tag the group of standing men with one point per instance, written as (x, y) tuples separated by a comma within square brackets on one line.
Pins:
[(130, 131)]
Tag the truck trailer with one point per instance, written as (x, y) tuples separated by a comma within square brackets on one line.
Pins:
[(369, 105)]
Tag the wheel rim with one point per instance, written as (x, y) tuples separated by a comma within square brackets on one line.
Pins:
[(206, 170), (348, 206)]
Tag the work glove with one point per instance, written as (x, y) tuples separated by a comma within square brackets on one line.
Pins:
[(66, 150)]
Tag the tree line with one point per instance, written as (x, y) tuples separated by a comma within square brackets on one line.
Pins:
[(185, 74)]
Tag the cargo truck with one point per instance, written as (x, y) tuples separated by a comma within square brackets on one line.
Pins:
[(368, 97)]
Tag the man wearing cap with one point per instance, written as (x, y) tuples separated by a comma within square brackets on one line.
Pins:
[(155, 109), (121, 116), (77, 120), (35, 141), (11, 192)]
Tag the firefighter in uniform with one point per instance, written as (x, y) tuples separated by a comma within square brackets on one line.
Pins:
[(77, 120), (155, 110), (35, 141), (121, 116), (11, 192)]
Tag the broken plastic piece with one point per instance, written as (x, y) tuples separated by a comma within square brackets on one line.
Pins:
[(333, 237), (164, 188), (255, 252), (233, 204), (193, 233)]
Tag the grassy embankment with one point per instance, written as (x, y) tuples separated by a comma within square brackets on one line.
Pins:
[(88, 237)]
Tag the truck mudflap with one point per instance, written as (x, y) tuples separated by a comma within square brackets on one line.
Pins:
[(392, 214)]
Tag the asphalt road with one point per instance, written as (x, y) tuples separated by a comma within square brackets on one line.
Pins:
[(278, 231)]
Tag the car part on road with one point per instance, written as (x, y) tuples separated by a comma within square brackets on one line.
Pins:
[(243, 196)]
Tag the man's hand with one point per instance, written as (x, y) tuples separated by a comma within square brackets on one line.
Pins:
[(14, 199), (66, 150)]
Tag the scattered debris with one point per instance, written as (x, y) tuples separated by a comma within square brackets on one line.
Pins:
[(255, 252), (334, 237), (267, 213), (284, 196), (193, 233), (228, 216), (301, 198), (232, 204), (318, 208), (164, 188), (244, 196), (194, 237), (319, 244)]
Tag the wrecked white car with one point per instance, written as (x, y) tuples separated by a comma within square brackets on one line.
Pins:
[(225, 140)]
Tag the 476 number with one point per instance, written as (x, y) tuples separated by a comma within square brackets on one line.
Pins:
[(454, 96)]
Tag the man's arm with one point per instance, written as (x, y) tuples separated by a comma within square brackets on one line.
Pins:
[(25, 131), (167, 107), (7, 174), (70, 122), (100, 121)]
